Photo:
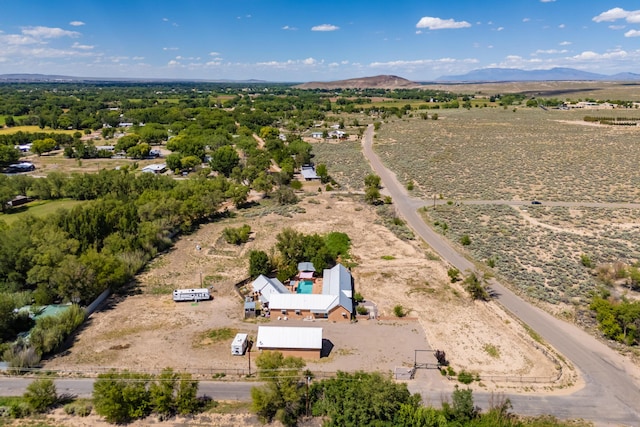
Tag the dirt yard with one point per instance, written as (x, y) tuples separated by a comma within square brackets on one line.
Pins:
[(147, 330)]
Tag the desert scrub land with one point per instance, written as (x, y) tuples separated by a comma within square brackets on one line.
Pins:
[(538, 248), (496, 153), (345, 162)]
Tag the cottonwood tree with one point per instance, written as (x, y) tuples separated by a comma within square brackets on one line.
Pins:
[(281, 397)]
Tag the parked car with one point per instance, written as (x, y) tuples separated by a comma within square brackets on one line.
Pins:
[(536, 202)]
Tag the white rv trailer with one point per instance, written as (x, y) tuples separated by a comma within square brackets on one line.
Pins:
[(239, 345), (191, 294)]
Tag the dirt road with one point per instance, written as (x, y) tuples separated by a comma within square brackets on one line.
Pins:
[(611, 393)]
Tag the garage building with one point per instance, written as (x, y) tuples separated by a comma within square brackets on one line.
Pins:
[(291, 341)]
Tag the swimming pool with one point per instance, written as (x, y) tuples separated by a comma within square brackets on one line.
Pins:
[(305, 287)]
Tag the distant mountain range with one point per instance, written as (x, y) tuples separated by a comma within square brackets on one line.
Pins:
[(34, 78), (553, 74)]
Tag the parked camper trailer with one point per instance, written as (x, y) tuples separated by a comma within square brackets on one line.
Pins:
[(239, 345), (191, 294)]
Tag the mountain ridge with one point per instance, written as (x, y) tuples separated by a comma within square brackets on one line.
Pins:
[(551, 74)]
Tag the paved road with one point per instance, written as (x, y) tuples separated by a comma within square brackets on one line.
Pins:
[(610, 394)]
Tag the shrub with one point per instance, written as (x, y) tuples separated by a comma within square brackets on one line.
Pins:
[(399, 311), (362, 310), (41, 395), (357, 297), (453, 274), (296, 185), (80, 409), (465, 240), (237, 236), (465, 377)]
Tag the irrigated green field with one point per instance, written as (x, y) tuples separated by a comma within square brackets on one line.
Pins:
[(38, 209)]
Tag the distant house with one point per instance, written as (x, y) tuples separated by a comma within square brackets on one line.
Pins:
[(291, 341), (317, 135), (24, 148), (19, 201), (155, 168), (337, 134), (20, 167), (308, 172)]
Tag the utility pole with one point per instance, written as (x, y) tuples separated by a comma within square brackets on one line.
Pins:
[(307, 410)]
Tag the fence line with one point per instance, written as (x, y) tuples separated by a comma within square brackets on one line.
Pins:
[(199, 373)]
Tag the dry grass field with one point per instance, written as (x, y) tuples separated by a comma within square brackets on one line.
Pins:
[(576, 90)]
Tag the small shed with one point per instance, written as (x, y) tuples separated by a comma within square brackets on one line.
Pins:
[(249, 309), (291, 341)]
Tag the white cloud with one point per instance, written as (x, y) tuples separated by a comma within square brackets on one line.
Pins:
[(565, 43), (165, 19), (214, 53), (526, 19), (325, 27), (138, 58), (76, 23), (77, 45), (561, 26), (632, 33), (549, 52), (631, 16), (499, 28), (617, 27), (547, 1), (288, 28), (48, 32), (309, 61), (440, 24), (173, 63), (169, 48)]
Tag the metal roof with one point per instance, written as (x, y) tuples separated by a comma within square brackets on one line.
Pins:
[(313, 302), (309, 172), (289, 337), (267, 287), (306, 266), (337, 281)]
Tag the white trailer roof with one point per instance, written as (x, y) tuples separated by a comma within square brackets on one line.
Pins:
[(287, 337), (240, 339)]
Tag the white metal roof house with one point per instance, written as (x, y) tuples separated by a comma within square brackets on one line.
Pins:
[(155, 168), (308, 172), (265, 287), (335, 303), (291, 341), (338, 281)]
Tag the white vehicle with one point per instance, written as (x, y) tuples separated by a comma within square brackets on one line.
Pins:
[(191, 294), (239, 345)]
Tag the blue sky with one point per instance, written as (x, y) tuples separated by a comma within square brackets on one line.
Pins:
[(295, 41)]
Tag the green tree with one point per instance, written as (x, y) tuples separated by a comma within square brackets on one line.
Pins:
[(8, 155), (224, 159), (321, 171), (41, 395), (259, 263), (187, 395), (360, 399), (162, 393), (372, 180), (281, 397), (372, 195), (121, 397), (40, 146), (476, 288)]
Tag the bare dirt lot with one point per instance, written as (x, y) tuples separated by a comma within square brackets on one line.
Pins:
[(148, 330)]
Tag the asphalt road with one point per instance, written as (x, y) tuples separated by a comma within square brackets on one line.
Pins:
[(610, 395)]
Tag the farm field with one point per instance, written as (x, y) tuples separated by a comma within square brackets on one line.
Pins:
[(39, 209), (33, 129), (149, 331)]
